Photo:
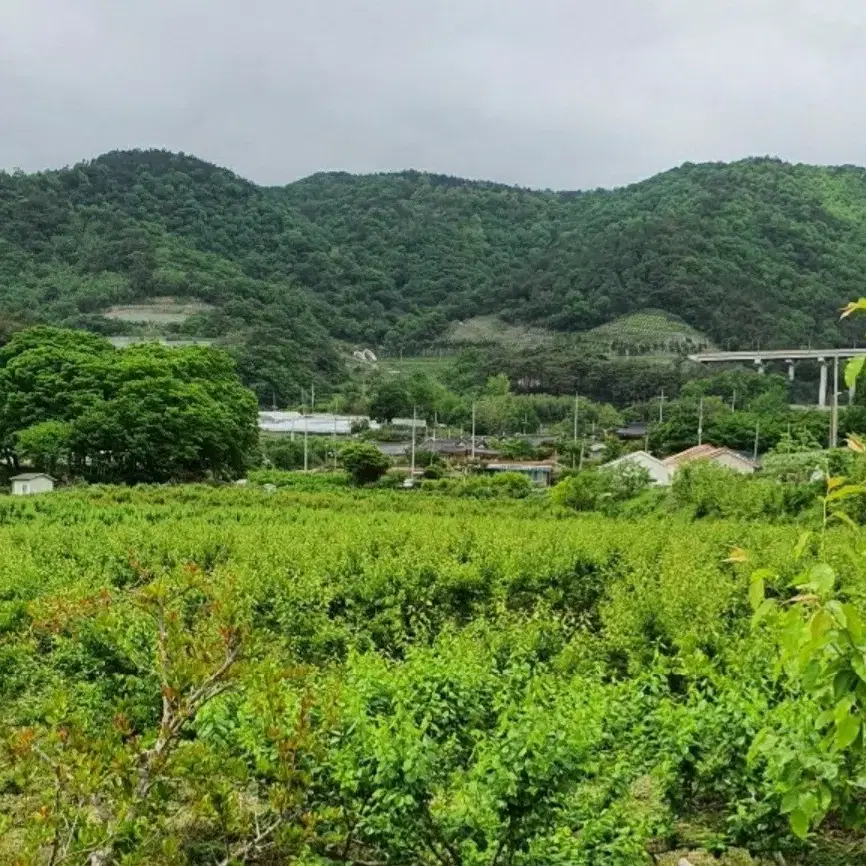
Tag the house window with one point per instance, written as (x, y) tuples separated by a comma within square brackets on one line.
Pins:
[(25, 488)]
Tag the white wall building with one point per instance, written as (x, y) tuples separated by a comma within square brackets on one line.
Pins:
[(29, 483), (659, 472)]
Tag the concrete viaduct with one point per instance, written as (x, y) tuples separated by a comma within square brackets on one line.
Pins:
[(790, 357)]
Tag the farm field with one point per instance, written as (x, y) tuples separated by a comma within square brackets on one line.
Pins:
[(647, 332), (410, 364), (200, 675)]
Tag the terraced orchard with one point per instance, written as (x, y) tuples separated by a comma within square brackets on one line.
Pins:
[(650, 332), (198, 675)]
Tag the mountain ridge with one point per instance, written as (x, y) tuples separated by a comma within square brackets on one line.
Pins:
[(754, 252)]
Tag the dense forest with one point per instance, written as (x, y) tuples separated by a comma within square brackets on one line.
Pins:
[(753, 253)]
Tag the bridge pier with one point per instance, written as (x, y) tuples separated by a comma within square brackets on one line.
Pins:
[(791, 357), (822, 385)]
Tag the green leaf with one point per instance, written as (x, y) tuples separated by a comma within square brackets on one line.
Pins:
[(824, 719), (808, 803), (842, 517), (766, 606), (847, 731), (838, 611), (756, 591), (821, 623), (854, 622), (858, 663), (790, 801), (853, 369), (800, 823), (842, 683), (845, 492), (800, 547), (822, 578)]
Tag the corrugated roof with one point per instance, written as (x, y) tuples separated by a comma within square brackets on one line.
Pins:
[(629, 458), (705, 452), (517, 467), (30, 476)]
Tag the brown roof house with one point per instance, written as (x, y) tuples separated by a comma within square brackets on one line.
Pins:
[(726, 457)]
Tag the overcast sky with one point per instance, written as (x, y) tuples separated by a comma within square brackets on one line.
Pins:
[(544, 93)]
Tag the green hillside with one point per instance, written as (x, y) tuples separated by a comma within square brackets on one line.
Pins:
[(753, 253)]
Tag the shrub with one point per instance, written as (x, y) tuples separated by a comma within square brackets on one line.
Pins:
[(582, 492), (602, 489), (513, 484), (364, 462)]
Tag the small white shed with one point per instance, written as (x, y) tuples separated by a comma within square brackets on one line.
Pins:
[(31, 482), (660, 474)]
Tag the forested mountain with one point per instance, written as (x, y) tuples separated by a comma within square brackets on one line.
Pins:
[(756, 252)]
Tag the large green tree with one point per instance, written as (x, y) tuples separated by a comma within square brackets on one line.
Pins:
[(147, 413)]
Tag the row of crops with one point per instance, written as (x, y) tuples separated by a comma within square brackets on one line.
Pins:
[(199, 675)]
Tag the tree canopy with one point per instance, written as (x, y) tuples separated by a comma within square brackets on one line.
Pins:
[(146, 413)]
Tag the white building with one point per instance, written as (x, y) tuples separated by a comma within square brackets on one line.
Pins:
[(660, 473), (321, 424), (29, 483)]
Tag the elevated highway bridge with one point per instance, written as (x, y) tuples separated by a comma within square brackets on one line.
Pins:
[(759, 357), (792, 357)]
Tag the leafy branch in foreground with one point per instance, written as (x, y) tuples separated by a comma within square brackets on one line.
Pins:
[(818, 757), (109, 778)]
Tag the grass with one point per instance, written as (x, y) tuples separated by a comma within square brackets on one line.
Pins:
[(487, 330), (162, 311)]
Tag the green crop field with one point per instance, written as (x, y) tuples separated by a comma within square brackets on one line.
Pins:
[(648, 332), (223, 675), (433, 365)]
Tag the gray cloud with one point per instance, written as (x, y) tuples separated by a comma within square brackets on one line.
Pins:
[(548, 93)]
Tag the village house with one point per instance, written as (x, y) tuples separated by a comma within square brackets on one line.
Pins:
[(726, 457), (658, 470), (539, 474), (458, 449), (29, 483)]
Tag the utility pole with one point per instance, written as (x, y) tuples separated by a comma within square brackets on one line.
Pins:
[(293, 429), (335, 434), (701, 423), (662, 407), (312, 397), (576, 411), (414, 419), (473, 430), (734, 401), (306, 450), (757, 439), (834, 417)]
